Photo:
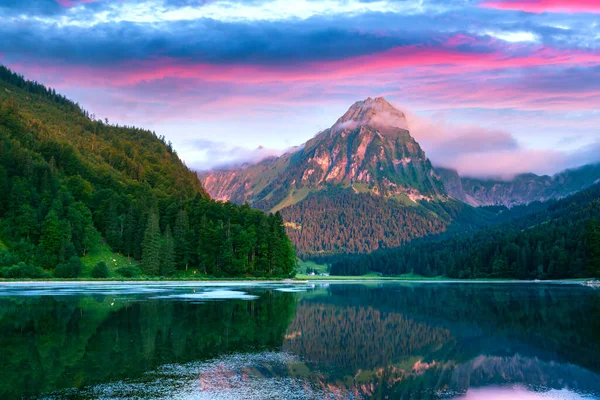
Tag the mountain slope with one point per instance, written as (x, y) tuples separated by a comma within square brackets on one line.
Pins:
[(68, 181), (125, 155)]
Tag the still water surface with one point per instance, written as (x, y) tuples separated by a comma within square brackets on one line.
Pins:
[(322, 341)]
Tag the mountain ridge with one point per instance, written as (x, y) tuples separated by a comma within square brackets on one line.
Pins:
[(522, 189)]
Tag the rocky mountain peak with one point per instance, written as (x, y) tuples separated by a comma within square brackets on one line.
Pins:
[(376, 112), (368, 150)]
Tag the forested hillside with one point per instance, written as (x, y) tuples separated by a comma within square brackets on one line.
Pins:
[(69, 182), (340, 221), (562, 241)]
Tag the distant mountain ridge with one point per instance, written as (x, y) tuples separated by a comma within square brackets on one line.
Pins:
[(522, 189)]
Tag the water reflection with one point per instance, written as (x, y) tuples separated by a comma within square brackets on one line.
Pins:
[(388, 340), (432, 341)]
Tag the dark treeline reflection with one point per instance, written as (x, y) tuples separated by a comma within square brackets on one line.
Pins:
[(50, 343), (433, 340)]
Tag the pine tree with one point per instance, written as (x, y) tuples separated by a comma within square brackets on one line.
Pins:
[(100, 270), (523, 263), (55, 235), (26, 221), (138, 240), (500, 267), (129, 232), (113, 228), (203, 238), (151, 246), (167, 262), (182, 244), (91, 239), (538, 261)]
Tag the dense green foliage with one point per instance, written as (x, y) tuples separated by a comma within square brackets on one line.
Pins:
[(68, 181), (562, 241)]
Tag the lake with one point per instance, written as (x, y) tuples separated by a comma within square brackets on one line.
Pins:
[(318, 341)]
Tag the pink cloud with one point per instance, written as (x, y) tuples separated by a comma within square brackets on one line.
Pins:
[(490, 93), (540, 6), (450, 58), (506, 164), (478, 151)]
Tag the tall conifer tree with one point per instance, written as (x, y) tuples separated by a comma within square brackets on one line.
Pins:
[(151, 246)]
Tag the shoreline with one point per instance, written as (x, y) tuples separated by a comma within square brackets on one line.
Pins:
[(577, 281), (150, 282)]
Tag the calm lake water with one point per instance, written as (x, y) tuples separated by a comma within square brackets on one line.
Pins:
[(316, 341)]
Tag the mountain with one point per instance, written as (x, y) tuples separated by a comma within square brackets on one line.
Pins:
[(368, 150), (366, 184), (329, 189), (523, 189), (71, 185)]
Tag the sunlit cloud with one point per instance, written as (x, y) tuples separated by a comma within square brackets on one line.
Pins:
[(539, 6), (157, 11), (514, 37)]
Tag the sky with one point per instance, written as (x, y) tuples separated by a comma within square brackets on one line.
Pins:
[(491, 87)]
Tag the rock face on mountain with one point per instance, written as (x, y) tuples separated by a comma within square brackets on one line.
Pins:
[(369, 150), (523, 189)]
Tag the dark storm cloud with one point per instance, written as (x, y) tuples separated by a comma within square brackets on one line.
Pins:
[(204, 40)]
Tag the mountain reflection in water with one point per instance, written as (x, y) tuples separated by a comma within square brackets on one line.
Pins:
[(339, 341)]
